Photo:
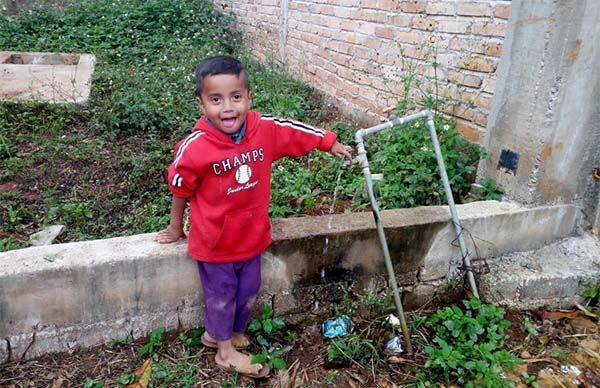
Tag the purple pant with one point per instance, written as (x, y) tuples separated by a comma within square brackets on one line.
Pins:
[(230, 291)]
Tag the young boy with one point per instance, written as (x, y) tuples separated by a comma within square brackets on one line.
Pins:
[(223, 168)]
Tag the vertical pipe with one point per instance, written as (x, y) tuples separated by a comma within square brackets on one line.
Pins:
[(451, 205), (362, 155)]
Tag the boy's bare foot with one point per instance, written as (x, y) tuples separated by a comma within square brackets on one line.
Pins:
[(239, 340), (169, 235), (232, 360)]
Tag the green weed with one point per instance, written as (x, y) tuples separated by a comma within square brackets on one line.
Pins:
[(353, 348), (529, 380), (272, 357), (192, 337), (467, 348), (125, 379), (558, 353), (487, 189), (266, 324), (153, 344), (90, 383)]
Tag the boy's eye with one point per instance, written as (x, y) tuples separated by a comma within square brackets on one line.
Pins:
[(215, 99), (237, 97)]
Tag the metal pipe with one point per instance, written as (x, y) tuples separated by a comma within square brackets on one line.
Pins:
[(362, 156), (364, 162), (453, 214)]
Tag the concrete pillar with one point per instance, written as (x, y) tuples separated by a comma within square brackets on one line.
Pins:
[(544, 128)]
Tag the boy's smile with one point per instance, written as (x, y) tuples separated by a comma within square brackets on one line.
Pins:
[(225, 100)]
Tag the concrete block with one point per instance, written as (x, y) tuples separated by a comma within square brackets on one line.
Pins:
[(87, 293), (46, 77), (550, 277)]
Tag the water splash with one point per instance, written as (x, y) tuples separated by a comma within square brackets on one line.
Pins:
[(338, 179), (335, 194)]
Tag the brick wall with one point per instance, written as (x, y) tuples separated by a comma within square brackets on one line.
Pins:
[(360, 51)]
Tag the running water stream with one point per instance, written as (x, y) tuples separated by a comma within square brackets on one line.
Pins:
[(332, 208), (331, 212)]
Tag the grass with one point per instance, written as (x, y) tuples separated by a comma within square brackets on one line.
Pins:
[(99, 169)]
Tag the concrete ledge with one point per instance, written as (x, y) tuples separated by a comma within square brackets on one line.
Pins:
[(553, 276), (47, 77), (86, 293)]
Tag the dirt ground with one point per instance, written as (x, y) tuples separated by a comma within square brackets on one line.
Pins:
[(558, 349)]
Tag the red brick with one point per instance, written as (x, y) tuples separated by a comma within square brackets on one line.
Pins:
[(460, 78), (399, 20), (464, 113), (424, 23), (469, 45), (453, 26), (489, 29), (473, 9), (481, 119), (477, 64), (347, 25), (502, 11), (493, 49), (468, 131), (411, 37), (414, 52), (478, 100), (489, 85), (412, 6), (387, 5), (440, 8), (384, 32)]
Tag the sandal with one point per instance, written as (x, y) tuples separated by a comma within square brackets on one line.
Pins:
[(213, 344), (262, 373)]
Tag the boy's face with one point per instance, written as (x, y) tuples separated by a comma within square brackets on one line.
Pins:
[(225, 100)]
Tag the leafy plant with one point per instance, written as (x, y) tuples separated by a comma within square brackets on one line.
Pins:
[(353, 348), (487, 189), (529, 327), (378, 303), (529, 380), (154, 342), (592, 293), (125, 379), (467, 347), (331, 378), (90, 383), (266, 323), (192, 337), (272, 357), (558, 353)]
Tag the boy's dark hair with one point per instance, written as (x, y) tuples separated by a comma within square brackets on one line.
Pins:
[(220, 64)]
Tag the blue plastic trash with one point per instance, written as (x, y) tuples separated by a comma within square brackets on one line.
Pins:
[(338, 327)]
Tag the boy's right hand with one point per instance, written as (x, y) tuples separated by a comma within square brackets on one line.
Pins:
[(169, 235)]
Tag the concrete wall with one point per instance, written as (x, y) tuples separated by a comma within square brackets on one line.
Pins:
[(544, 128), (67, 296), (359, 51)]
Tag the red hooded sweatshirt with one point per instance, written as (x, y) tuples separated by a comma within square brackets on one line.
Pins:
[(229, 184)]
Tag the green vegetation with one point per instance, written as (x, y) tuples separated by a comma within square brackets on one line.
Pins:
[(153, 344), (353, 348), (467, 347), (99, 169), (266, 324)]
